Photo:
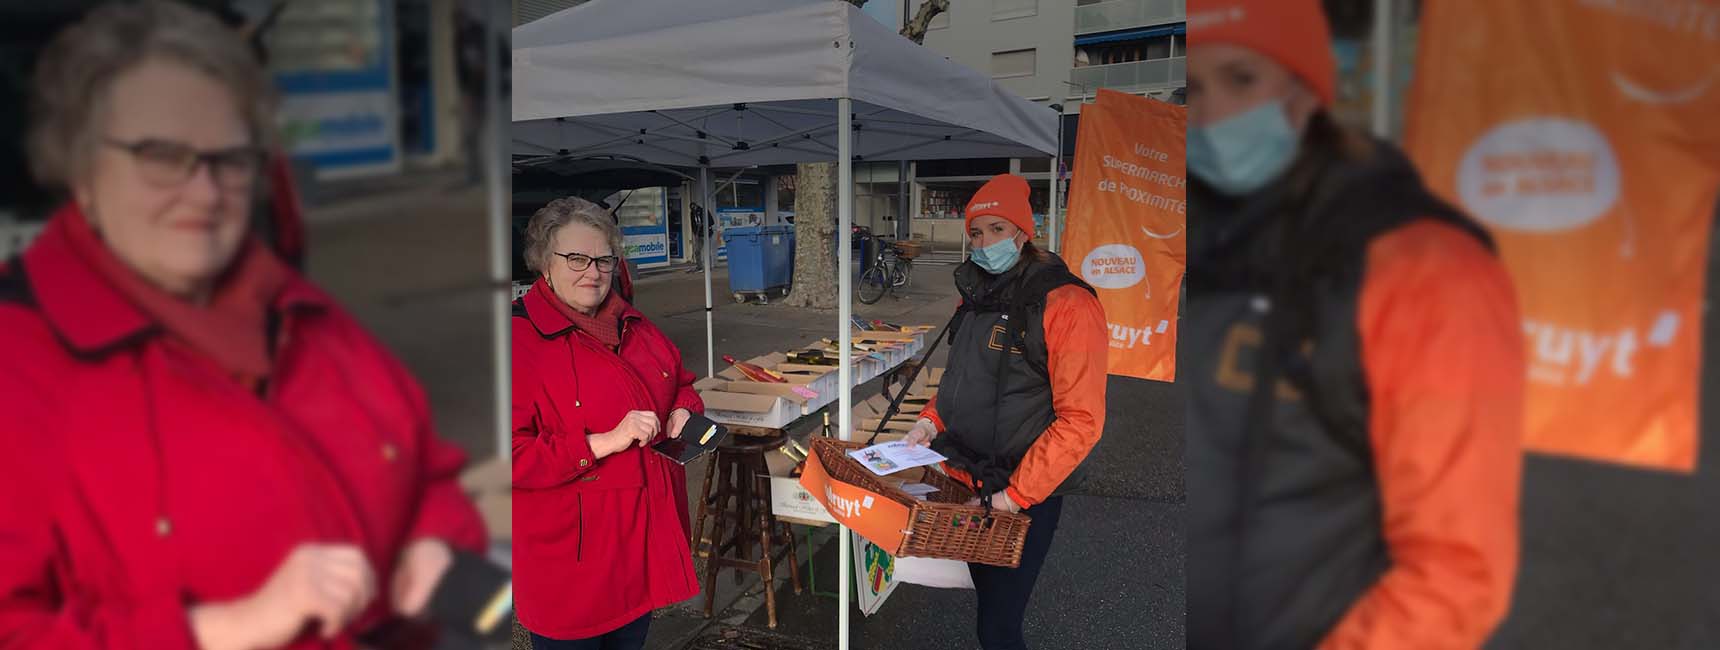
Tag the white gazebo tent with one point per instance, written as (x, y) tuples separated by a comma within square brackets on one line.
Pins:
[(758, 82)]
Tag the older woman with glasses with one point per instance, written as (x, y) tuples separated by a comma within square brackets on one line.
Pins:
[(202, 450), (600, 522)]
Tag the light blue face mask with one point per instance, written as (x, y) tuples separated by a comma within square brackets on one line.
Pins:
[(1242, 153), (998, 257)]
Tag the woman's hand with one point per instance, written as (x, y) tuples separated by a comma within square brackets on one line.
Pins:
[(325, 584), (639, 427), (421, 567), (999, 501), (922, 433), (678, 419)]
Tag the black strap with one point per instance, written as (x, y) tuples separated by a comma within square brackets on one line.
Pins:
[(896, 402)]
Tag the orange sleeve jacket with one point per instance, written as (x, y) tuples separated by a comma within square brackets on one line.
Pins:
[(1443, 351)]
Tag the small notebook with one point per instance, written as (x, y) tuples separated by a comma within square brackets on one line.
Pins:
[(700, 436), (475, 598)]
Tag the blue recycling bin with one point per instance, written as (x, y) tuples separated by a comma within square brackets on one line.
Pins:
[(778, 245), (748, 266)]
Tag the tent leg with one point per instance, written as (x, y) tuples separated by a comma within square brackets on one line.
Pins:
[(845, 289), (1053, 218), (904, 225), (710, 225), (501, 268)]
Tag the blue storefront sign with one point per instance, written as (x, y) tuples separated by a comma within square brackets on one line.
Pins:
[(338, 108)]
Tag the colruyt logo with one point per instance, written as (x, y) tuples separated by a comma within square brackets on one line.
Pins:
[(1126, 337), (846, 507), (1540, 175), (1562, 355)]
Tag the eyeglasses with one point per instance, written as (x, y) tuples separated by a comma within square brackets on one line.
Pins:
[(166, 163), (578, 262)]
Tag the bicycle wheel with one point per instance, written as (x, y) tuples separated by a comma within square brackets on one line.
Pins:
[(872, 284)]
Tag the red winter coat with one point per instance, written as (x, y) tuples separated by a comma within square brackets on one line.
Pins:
[(597, 543), (140, 479)]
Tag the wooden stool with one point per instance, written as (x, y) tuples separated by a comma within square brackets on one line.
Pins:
[(741, 519)]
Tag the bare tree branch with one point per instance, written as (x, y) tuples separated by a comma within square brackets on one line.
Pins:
[(915, 30)]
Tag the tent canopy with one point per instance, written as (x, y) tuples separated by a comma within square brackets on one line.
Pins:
[(753, 82)]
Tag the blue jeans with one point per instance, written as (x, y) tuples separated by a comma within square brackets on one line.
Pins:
[(1003, 592), (630, 637)]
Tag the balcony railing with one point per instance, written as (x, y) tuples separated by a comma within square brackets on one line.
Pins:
[(1139, 75), (1125, 14)]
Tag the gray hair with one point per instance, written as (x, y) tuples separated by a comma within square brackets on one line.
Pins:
[(79, 66), (548, 220)]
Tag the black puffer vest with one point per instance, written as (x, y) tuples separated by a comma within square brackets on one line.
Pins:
[(995, 400), (1285, 529)]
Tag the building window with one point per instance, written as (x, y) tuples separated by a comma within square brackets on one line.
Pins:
[(1014, 63), (1007, 9), (939, 21), (1148, 49), (1158, 47)]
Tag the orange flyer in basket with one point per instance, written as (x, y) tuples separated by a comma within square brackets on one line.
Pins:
[(874, 516)]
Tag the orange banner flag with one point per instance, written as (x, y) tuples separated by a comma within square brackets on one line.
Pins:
[(1591, 153), (1127, 226)]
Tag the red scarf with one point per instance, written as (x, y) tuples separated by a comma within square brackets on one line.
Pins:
[(230, 330), (604, 324)]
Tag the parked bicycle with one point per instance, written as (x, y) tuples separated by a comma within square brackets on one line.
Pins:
[(892, 266)]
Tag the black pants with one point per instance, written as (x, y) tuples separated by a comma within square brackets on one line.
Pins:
[(630, 637), (1004, 592)]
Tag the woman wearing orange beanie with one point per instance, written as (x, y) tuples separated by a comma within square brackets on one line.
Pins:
[(1355, 367), (1023, 400)]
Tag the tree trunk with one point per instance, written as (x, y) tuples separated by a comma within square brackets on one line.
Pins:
[(814, 236)]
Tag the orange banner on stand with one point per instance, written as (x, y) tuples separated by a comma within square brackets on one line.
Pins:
[(1591, 154), (1127, 226)]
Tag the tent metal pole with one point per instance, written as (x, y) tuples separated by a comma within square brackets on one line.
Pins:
[(845, 372), (904, 223), (496, 188), (1052, 217), (705, 232)]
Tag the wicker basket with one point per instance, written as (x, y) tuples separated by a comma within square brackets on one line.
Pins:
[(941, 526), (907, 249)]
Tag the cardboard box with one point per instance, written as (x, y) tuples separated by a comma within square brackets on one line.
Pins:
[(901, 346), (924, 383), (751, 403), (821, 379), (788, 500)]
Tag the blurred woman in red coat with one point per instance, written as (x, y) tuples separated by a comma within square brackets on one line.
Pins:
[(600, 522), (202, 449)]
